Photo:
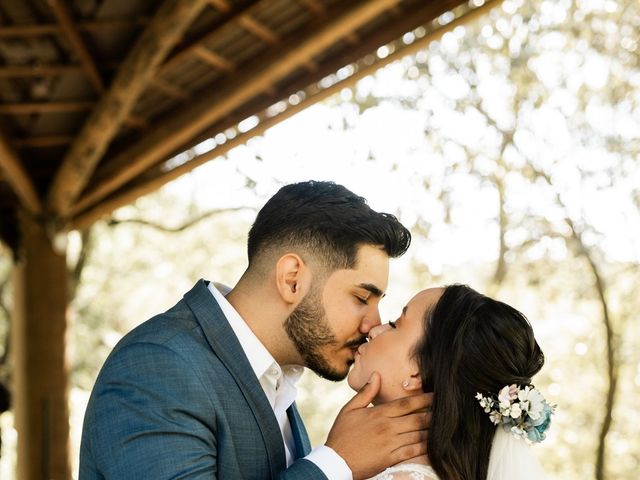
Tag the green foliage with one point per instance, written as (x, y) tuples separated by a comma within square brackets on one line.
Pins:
[(522, 181)]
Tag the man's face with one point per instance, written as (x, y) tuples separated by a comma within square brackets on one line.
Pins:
[(334, 319)]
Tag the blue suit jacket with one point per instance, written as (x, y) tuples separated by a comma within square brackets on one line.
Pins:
[(177, 398)]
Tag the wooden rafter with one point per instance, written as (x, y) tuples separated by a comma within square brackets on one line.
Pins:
[(419, 15), (43, 141), (16, 175), (221, 5), (38, 71), (213, 59), (171, 20), (188, 51), (136, 121), (315, 6), (44, 107), (169, 89), (65, 19), (256, 28), (188, 122), (18, 31), (153, 182)]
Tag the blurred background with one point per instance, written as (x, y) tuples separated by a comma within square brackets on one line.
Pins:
[(511, 149)]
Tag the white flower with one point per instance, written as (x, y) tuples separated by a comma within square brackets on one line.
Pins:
[(479, 396), (515, 411), (495, 417), (524, 393), (518, 432), (503, 396), (536, 401), (507, 395)]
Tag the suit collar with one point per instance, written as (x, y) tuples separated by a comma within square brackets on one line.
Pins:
[(300, 436), (227, 348)]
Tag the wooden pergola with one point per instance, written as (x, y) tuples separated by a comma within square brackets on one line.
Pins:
[(102, 102)]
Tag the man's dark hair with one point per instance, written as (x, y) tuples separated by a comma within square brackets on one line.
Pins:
[(471, 343), (327, 221)]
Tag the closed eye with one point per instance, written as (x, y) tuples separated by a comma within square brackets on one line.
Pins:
[(364, 301)]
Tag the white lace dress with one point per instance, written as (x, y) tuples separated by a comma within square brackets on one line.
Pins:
[(407, 471)]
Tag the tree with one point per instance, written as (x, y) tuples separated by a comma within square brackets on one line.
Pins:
[(535, 105)]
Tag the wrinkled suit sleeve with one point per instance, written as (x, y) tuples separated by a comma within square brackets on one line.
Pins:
[(147, 419), (302, 469)]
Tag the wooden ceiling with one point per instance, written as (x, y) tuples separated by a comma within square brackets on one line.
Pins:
[(99, 99)]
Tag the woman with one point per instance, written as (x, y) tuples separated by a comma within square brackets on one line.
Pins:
[(478, 356)]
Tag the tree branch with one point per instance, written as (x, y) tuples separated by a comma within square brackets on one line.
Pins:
[(140, 221), (612, 364)]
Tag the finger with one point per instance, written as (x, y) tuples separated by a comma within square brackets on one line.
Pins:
[(406, 405), (411, 450), (408, 438), (414, 422), (365, 396)]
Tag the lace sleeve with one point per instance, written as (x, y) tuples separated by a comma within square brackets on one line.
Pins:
[(408, 472)]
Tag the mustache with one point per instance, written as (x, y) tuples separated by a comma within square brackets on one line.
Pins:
[(355, 343)]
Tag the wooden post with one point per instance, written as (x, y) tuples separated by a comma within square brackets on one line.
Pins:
[(38, 347)]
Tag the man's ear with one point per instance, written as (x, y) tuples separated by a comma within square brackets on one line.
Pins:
[(292, 278)]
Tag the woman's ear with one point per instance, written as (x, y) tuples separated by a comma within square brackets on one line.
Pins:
[(413, 383), (292, 278)]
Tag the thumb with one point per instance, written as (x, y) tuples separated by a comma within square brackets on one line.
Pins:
[(366, 394)]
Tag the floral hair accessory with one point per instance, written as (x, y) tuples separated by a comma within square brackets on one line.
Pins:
[(523, 411)]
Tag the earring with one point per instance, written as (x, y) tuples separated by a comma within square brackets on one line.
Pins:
[(405, 383)]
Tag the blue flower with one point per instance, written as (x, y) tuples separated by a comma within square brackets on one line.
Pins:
[(534, 435), (543, 422)]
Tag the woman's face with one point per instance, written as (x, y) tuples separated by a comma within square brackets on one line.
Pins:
[(390, 351)]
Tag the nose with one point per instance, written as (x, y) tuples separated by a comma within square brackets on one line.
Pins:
[(370, 321), (377, 330)]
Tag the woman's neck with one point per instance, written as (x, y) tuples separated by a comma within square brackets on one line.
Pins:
[(422, 460)]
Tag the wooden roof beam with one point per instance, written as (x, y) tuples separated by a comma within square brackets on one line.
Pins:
[(64, 18), (152, 183), (18, 31), (213, 59), (43, 141), (17, 177), (256, 28), (166, 28), (189, 121), (44, 107), (191, 49), (315, 6), (221, 5), (19, 71), (169, 89)]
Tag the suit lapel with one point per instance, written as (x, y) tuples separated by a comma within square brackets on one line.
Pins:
[(300, 437), (226, 346)]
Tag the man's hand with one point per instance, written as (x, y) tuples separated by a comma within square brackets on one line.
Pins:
[(371, 439)]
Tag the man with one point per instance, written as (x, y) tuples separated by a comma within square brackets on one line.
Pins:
[(207, 389)]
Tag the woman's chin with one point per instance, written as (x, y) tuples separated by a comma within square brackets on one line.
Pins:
[(353, 382)]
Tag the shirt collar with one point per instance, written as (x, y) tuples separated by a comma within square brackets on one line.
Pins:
[(259, 357)]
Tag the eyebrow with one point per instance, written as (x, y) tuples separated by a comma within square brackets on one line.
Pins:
[(375, 291)]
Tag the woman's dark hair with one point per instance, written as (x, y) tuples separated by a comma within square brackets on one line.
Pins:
[(472, 343), (326, 220)]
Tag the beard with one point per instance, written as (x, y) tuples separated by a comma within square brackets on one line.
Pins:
[(309, 330)]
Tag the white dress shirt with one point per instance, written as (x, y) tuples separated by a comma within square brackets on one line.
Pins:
[(279, 385)]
